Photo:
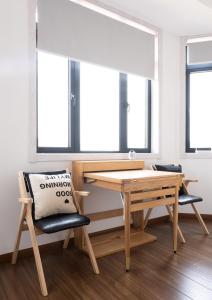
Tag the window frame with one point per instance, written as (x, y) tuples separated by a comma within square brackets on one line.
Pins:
[(74, 113), (189, 70)]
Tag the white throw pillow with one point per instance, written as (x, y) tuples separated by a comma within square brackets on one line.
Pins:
[(52, 194)]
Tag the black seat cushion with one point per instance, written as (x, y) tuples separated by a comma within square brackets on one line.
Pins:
[(188, 199), (61, 222)]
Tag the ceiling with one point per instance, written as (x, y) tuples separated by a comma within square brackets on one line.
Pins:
[(180, 17)]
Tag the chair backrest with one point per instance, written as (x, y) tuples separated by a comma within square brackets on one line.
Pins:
[(25, 187), (170, 168)]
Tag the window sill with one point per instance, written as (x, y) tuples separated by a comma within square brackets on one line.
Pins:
[(198, 155), (43, 157)]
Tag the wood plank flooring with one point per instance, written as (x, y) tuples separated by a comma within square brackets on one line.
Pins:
[(156, 272)]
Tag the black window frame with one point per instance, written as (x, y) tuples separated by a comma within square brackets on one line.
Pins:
[(192, 68), (74, 113)]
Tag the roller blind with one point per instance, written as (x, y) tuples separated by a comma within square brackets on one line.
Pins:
[(80, 33), (200, 52)]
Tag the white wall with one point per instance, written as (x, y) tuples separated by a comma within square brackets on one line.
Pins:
[(15, 98)]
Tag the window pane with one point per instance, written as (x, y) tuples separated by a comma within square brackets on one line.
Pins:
[(137, 95), (99, 108), (200, 109), (52, 100)]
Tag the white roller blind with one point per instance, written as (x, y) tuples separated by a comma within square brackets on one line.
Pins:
[(200, 52), (69, 29)]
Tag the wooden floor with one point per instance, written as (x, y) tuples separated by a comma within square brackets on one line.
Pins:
[(156, 272)]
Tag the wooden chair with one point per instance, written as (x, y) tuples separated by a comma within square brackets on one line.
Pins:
[(49, 224), (184, 198)]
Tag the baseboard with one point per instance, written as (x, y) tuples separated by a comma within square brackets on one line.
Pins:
[(157, 220), (57, 246), (47, 248), (206, 217)]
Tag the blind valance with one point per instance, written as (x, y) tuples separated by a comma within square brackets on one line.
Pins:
[(69, 29)]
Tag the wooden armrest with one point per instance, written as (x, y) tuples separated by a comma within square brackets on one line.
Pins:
[(25, 200), (83, 193), (187, 181)]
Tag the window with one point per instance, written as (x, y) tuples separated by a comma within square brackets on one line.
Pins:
[(89, 108), (198, 107), (52, 101), (137, 95), (99, 109)]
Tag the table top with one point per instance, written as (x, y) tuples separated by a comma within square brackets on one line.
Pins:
[(131, 175)]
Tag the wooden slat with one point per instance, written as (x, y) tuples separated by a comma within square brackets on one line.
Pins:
[(106, 214), (110, 165), (143, 205), (152, 194), (108, 185), (151, 184)]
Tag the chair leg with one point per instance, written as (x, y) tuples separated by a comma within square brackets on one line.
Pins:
[(175, 221), (66, 241), (178, 228), (147, 217), (90, 251), (18, 238), (37, 257), (202, 223)]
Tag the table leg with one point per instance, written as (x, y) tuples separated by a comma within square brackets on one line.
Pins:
[(175, 220), (78, 181), (127, 229), (137, 216), (138, 219)]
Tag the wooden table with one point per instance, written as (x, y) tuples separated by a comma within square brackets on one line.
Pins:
[(140, 189)]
